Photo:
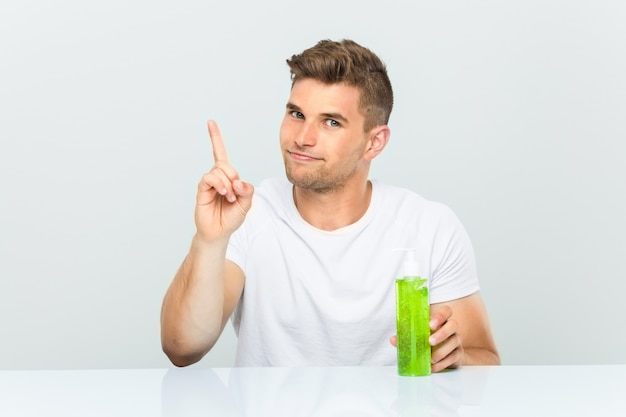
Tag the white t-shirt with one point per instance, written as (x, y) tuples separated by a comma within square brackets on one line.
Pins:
[(320, 298)]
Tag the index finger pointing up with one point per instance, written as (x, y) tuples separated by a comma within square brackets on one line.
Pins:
[(219, 151)]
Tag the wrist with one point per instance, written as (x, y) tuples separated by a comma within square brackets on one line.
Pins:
[(202, 244)]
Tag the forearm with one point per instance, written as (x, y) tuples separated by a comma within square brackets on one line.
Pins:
[(480, 356), (192, 311)]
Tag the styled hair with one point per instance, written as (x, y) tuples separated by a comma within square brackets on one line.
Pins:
[(347, 62)]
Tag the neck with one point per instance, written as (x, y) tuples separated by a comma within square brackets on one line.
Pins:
[(333, 210)]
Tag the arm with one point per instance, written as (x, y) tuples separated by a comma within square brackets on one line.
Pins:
[(462, 334), (206, 288), (198, 303)]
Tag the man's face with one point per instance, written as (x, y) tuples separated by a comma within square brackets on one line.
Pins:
[(322, 137)]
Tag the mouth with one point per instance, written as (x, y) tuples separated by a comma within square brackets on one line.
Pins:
[(297, 156)]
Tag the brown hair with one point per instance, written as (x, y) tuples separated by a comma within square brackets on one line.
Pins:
[(349, 63)]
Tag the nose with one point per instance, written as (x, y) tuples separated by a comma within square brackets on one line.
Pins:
[(306, 135)]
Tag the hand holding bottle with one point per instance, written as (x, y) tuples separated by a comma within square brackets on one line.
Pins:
[(446, 343), (447, 348)]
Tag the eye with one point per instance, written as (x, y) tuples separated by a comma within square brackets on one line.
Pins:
[(297, 114), (332, 123)]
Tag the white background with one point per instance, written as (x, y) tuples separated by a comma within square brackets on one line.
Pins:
[(512, 113)]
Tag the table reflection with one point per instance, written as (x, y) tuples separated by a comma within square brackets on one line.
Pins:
[(313, 392)]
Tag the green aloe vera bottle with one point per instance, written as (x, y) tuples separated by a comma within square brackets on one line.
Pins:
[(412, 320)]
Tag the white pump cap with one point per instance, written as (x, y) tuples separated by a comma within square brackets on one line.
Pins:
[(409, 266)]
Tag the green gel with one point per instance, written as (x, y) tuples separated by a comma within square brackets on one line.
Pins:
[(413, 330)]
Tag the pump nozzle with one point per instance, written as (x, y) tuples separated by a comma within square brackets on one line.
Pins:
[(409, 267)]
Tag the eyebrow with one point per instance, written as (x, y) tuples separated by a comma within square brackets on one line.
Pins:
[(338, 116)]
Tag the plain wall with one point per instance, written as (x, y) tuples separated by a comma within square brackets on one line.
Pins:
[(512, 113)]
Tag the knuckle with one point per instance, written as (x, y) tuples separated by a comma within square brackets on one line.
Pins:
[(222, 165), (207, 176)]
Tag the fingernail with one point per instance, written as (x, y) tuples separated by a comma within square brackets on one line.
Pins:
[(232, 198), (432, 340)]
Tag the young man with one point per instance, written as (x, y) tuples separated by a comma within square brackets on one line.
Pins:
[(307, 267)]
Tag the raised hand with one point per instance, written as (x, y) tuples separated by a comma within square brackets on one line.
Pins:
[(223, 200)]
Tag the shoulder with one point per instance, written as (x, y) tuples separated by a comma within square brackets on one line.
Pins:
[(405, 203)]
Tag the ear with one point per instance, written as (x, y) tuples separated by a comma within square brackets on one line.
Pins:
[(379, 137)]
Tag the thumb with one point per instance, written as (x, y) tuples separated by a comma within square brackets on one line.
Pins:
[(243, 189)]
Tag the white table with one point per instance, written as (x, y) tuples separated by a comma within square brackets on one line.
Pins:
[(529, 391)]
